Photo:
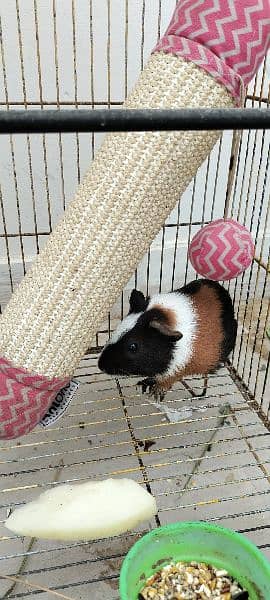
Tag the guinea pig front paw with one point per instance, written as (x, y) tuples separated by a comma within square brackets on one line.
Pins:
[(159, 394), (150, 386), (147, 384)]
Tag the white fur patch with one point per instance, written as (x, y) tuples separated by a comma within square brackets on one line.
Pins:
[(126, 325), (186, 323)]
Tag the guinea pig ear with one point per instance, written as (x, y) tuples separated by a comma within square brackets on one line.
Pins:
[(137, 302), (165, 329)]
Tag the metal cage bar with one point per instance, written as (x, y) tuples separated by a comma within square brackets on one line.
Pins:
[(191, 119)]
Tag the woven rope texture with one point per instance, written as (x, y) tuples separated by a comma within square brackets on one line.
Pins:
[(129, 190)]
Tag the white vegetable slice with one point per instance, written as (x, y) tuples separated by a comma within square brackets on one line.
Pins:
[(88, 511)]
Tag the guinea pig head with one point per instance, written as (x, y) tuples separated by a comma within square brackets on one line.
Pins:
[(143, 344)]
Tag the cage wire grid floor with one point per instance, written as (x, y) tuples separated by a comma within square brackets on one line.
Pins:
[(203, 458)]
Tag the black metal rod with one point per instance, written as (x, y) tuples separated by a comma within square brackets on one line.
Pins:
[(54, 121)]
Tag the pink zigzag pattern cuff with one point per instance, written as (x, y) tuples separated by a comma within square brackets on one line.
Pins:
[(24, 399), (227, 39)]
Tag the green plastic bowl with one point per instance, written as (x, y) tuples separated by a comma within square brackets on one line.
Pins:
[(199, 541)]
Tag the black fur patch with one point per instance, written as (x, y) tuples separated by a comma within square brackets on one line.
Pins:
[(154, 350), (137, 302)]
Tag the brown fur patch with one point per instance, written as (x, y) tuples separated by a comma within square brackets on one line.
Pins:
[(209, 336), (170, 316)]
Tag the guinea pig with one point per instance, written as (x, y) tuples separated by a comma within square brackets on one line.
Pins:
[(190, 331)]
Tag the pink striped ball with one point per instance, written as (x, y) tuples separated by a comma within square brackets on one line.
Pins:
[(221, 250)]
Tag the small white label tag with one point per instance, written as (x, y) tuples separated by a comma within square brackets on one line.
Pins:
[(60, 404)]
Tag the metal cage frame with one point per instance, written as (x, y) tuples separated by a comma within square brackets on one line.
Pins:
[(204, 458)]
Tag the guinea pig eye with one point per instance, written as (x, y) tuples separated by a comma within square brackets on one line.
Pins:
[(133, 347)]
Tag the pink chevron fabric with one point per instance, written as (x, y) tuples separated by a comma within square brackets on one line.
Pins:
[(226, 38), (24, 399), (221, 250)]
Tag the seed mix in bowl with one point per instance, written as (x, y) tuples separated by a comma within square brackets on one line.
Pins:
[(192, 581)]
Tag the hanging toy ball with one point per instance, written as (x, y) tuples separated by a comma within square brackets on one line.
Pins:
[(221, 250)]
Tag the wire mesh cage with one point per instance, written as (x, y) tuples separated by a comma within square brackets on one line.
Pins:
[(203, 458)]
